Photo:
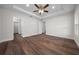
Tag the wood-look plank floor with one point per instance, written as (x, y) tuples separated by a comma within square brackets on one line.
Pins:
[(39, 45)]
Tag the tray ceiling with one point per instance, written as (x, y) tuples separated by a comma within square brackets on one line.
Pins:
[(52, 9)]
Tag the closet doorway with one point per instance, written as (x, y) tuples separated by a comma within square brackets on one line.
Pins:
[(44, 27), (17, 25)]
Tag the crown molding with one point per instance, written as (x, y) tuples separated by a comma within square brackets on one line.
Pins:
[(58, 13), (27, 12), (39, 17)]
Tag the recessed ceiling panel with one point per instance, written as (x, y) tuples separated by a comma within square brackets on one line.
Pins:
[(52, 8)]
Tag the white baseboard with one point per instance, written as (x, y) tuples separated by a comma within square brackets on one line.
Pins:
[(5, 40), (76, 41), (62, 36), (31, 35)]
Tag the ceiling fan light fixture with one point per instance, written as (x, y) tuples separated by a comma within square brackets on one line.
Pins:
[(41, 8), (41, 11)]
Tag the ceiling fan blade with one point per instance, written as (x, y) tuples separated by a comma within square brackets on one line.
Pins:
[(46, 6), (36, 5), (35, 11), (45, 11)]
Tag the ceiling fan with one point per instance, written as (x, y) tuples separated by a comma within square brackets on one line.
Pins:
[(41, 8)]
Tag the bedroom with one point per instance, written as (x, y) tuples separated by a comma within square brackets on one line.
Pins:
[(39, 29)]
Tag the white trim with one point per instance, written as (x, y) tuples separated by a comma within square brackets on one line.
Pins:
[(56, 14), (61, 36), (5, 40), (76, 41), (22, 10)]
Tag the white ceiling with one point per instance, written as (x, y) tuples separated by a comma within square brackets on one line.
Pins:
[(58, 8), (31, 8)]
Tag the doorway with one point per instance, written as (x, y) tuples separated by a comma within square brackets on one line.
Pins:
[(17, 25), (44, 28)]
